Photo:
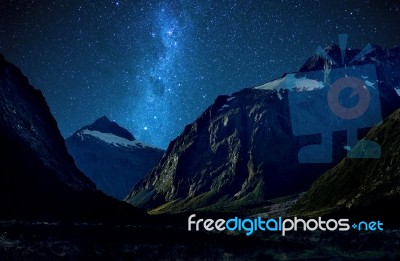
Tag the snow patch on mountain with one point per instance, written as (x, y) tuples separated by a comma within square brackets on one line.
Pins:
[(306, 84), (291, 82), (112, 139), (369, 84), (273, 85)]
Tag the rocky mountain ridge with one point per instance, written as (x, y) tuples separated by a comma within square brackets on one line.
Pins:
[(241, 150)]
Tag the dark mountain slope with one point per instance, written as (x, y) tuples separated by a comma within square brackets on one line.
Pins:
[(38, 178), (366, 187)]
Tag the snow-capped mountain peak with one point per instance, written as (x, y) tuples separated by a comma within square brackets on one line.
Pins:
[(111, 157), (104, 125)]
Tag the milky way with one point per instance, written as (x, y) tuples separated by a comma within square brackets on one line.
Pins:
[(154, 67), (159, 78)]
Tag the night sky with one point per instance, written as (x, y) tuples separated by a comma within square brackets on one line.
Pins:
[(154, 67)]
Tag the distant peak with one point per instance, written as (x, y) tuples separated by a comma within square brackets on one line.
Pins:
[(102, 119), (105, 125)]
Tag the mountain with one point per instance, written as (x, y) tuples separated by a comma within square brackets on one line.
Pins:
[(363, 187), (111, 157), (38, 178), (241, 151)]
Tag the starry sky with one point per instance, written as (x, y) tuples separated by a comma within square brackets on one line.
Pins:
[(155, 66)]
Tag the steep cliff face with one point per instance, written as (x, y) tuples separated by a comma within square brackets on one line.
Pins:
[(238, 149), (26, 121), (366, 187), (38, 178), (111, 157), (241, 151)]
